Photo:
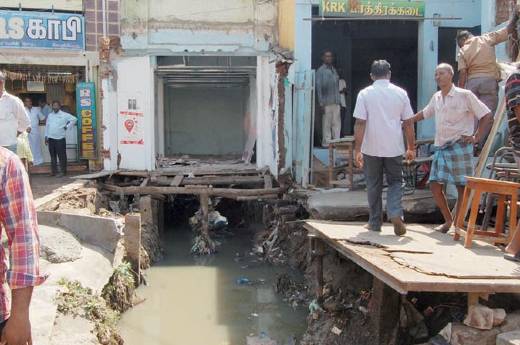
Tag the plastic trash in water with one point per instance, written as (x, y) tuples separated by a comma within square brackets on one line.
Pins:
[(243, 281)]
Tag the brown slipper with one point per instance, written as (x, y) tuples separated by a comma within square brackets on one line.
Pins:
[(399, 227), (442, 228)]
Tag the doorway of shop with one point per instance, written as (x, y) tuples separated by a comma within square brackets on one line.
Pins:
[(356, 44)]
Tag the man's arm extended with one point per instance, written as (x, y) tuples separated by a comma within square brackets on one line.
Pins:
[(409, 133), (19, 214), (359, 134), (484, 126), (418, 117)]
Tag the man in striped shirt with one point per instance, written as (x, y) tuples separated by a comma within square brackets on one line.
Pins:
[(18, 220)]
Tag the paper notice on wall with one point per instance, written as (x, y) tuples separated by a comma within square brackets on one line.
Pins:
[(133, 127)]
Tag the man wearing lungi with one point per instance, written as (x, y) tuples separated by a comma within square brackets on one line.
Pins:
[(455, 110)]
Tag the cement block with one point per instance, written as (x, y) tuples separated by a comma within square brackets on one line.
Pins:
[(510, 338), (98, 231)]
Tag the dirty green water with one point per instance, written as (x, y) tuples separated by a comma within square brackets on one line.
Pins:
[(194, 301)]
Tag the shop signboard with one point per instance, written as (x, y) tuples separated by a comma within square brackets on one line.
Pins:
[(41, 30), (86, 109), (371, 8)]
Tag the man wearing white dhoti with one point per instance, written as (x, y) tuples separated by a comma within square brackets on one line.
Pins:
[(35, 115)]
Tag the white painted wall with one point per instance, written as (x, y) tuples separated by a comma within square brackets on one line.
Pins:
[(109, 123), (267, 116), (136, 81), (217, 26)]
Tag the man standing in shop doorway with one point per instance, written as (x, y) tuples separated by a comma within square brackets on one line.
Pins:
[(35, 116), (55, 131), (327, 88), (13, 118), (382, 111)]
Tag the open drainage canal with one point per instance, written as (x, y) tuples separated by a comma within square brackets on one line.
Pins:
[(216, 300)]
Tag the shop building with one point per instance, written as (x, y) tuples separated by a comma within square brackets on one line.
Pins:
[(414, 36), (195, 79), (49, 51)]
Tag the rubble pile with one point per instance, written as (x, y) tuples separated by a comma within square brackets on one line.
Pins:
[(87, 199)]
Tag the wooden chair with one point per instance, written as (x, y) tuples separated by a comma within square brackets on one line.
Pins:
[(507, 194)]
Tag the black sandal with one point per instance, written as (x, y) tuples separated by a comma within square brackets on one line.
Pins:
[(511, 257)]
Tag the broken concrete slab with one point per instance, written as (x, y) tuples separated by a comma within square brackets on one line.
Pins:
[(99, 231), (344, 205), (509, 338), (93, 270), (58, 245)]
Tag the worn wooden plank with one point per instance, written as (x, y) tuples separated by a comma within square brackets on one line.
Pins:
[(213, 180), (177, 180), (194, 190), (403, 279), (268, 181)]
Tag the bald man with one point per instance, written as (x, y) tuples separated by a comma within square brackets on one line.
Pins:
[(455, 111)]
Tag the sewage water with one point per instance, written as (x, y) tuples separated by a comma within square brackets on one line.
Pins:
[(198, 301)]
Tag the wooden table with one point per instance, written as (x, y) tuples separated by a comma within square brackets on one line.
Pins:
[(342, 144)]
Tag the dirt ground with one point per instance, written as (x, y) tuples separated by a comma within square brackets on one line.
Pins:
[(44, 184)]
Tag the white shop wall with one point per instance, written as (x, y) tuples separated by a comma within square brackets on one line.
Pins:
[(136, 120)]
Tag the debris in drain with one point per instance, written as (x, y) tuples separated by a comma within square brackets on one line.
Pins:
[(336, 330), (203, 244), (293, 292)]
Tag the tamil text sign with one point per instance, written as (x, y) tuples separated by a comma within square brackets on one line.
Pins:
[(21, 29), (371, 8), (86, 104)]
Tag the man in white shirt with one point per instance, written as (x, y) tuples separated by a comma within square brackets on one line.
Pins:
[(382, 111), (35, 116), (55, 130), (13, 118), (455, 111)]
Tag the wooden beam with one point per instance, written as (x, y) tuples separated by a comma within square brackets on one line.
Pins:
[(224, 192), (211, 180), (204, 206), (384, 307)]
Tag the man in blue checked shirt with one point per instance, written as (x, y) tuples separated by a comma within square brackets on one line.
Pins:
[(57, 124)]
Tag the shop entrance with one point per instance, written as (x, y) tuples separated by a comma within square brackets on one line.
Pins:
[(44, 84), (208, 104), (356, 44)]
